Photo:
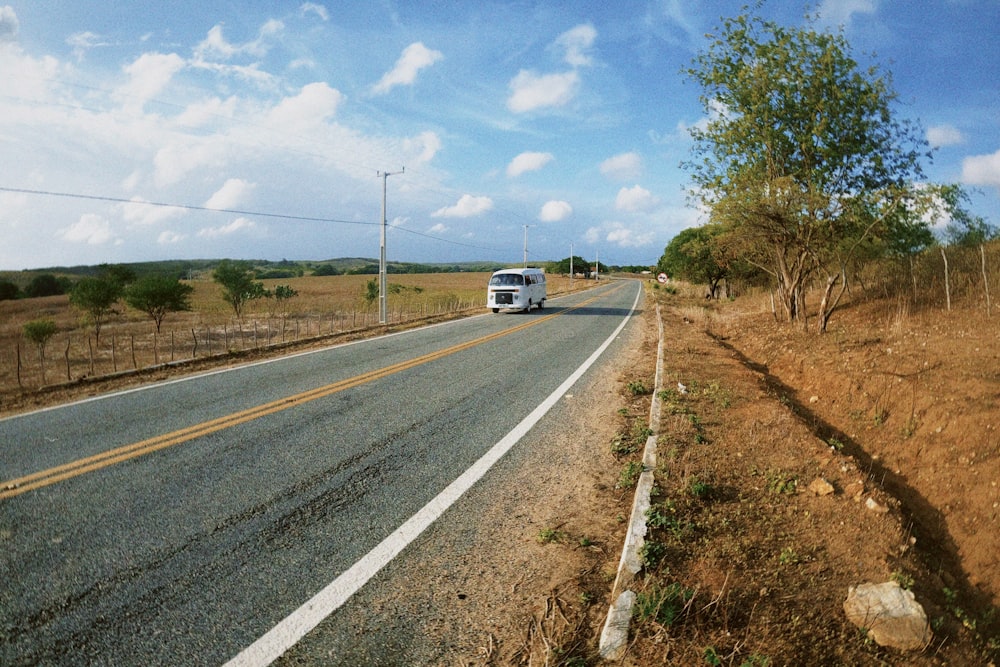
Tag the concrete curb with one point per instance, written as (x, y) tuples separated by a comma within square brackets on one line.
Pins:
[(614, 635)]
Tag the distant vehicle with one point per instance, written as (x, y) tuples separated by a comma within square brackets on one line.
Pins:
[(516, 289)]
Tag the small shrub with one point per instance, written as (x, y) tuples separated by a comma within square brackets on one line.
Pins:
[(662, 605), (629, 475), (652, 553), (637, 388), (549, 535)]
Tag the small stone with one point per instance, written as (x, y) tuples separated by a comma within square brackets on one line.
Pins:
[(821, 487), (854, 490), (875, 506), (814, 399)]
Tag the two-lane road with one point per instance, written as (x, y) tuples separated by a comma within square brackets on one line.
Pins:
[(224, 515)]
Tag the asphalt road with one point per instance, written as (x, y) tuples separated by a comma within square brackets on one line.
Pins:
[(190, 522)]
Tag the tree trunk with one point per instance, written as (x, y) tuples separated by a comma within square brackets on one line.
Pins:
[(947, 285)]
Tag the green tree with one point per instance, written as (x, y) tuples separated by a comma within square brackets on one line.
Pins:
[(44, 284), (802, 160), (691, 256), (158, 295), (371, 292), (284, 292), (963, 227), (97, 298), (8, 290), (580, 265), (238, 284), (39, 332)]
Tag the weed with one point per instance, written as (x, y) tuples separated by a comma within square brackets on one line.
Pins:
[(713, 658), (698, 488), (904, 580), (879, 416), (662, 605), (658, 516), (585, 542), (637, 388), (836, 444), (623, 412), (909, 428), (781, 483), (549, 535), (717, 394), (652, 553), (586, 597), (629, 475), (623, 445), (789, 556)]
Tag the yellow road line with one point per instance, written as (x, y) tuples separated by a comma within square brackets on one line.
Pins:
[(43, 478)]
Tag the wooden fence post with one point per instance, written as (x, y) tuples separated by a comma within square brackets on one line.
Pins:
[(66, 356), (947, 285), (114, 359), (986, 282), (194, 350)]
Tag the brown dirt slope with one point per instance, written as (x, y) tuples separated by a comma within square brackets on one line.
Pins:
[(746, 565)]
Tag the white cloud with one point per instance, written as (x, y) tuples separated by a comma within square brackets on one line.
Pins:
[(232, 194), (982, 170), (90, 229), (318, 10), (839, 12), (83, 42), (944, 135), (530, 91), (141, 213), (314, 104), (9, 26), (204, 112), (467, 207), (168, 237), (623, 166), (617, 234), (634, 199), (215, 45), (528, 161), (576, 42), (237, 225), (148, 75), (439, 228), (415, 58), (554, 211), (423, 147), (184, 154)]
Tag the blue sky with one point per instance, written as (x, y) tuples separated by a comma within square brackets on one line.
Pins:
[(562, 121)]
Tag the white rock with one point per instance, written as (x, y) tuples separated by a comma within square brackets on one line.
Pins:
[(891, 615)]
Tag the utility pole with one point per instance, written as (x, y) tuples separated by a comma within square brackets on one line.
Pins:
[(381, 256), (526, 245)]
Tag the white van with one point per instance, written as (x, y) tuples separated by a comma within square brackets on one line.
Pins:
[(516, 289)]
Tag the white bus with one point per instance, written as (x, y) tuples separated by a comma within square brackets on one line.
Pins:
[(516, 289)]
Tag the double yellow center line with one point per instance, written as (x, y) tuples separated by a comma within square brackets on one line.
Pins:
[(16, 487)]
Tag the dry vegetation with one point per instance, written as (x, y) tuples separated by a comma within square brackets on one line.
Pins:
[(326, 308)]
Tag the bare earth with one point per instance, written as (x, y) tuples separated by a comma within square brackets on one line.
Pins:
[(894, 406)]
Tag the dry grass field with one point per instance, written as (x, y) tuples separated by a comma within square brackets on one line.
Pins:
[(325, 306)]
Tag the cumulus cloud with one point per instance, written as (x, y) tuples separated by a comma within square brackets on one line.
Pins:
[(9, 25), (622, 166), (944, 135), (232, 194), (982, 170), (237, 225), (554, 211), (617, 234), (576, 42), (314, 104), (415, 58), (467, 207), (168, 237), (90, 229), (439, 228), (530, 91), (636, 198), (528, 161), (148, 75)]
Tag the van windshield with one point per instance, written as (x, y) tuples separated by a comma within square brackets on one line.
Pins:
[(507, 279)]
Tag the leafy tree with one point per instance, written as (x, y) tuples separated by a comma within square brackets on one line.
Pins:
[(690, 256), (963, 228), (802, 161), (580, 265), (44, 284), (326, 270), (118, 274), (238, 284), (39, 332), (283, 292), (97, 298), (158, 295), (371, 292), (8, 290)]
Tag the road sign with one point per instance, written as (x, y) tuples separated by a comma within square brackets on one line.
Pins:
[(662, 278)]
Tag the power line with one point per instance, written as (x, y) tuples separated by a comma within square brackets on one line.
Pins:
[(189, 207)]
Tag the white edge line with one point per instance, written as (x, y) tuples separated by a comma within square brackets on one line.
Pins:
[(296, 625)]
